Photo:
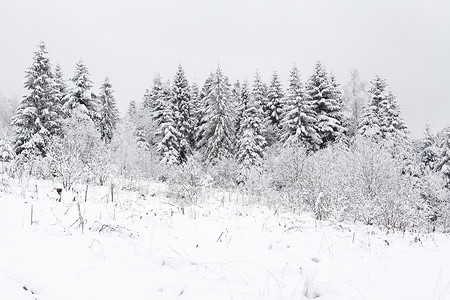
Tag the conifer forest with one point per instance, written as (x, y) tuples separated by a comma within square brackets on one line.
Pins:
[(341, 151), (282, 185)]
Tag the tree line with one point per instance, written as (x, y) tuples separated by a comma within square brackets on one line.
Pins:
[(219, 120), (237, 132)]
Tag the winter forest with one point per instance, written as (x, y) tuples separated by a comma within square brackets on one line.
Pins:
[(338, 152), (341, 152)]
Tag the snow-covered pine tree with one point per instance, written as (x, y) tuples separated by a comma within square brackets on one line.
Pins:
[(60, 83), (236, 91), (38, 116), (160, 100), (80, 95), (428, 150), (241, 103), (382, 120), (169, 145), (202, 107), (299, 118), (443, 162), (393, 126), (154, 107), (109, 115), (207, 86), (275, 98), (336, 94), (195, 98), (273, 110), (144, 120), (259, 91), (147, 99), (250, 140), (216, 133), (151, 96), (195, 94), (371, 126), (184, 120), (328, 108), (195, 109)]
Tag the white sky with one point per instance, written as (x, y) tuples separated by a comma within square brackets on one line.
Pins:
[(407, 42)]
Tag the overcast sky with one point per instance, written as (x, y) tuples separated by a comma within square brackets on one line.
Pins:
[(407, 42)]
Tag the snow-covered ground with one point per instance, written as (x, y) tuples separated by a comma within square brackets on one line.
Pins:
[(141, 246)]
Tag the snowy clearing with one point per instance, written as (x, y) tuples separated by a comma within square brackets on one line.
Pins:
[(142, 246)]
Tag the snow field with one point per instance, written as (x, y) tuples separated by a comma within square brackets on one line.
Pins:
[(142, 246)]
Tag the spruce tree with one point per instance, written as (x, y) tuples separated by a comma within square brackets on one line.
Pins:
[(109, 115), (250, 140), (259, 91), (160, 97), (204, 92), (195, 108), (394, 127), (38, 116), (202, 108), (207, 86), (60, 83), (216, 133), (443, 162), (336, 94), (299, 116), (147, 99), (382, 120), (371, 126), (169, 144), (236, 91), (242, 103), (80, 96), (428, 150), (153, 107), (275, 98), (196, 115), (327, 106), (151, 96), (184, 121)]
